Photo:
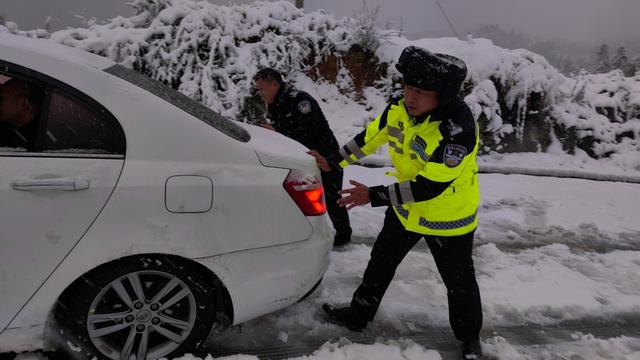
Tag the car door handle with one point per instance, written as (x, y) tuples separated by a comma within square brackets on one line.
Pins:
[(66, 184)]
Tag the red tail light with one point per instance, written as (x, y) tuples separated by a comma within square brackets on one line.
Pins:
[(307, 193)]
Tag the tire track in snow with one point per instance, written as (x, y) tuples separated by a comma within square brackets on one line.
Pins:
[(435, 338)]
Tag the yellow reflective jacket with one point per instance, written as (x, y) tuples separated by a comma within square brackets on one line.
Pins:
[(435, 163)]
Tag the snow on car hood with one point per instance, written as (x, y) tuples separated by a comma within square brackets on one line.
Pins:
[(276, 150)]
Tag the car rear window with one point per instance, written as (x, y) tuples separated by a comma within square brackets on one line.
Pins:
[(182, 101)]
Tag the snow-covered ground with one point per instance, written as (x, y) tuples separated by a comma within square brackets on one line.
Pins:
[(548, 251)]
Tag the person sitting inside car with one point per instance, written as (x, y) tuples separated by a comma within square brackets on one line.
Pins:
[(19, 106)]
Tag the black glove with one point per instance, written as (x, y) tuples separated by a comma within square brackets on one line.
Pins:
[(379, 196)]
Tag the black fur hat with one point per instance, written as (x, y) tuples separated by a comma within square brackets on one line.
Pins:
[(432, 71)]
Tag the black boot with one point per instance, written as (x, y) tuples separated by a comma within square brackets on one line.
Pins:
[(471, 350), (346, 316), (342, 239)]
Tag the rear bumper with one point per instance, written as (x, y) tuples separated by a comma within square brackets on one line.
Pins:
[(264, 280)]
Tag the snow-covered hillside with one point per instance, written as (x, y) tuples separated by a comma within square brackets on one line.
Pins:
[(210, 52)]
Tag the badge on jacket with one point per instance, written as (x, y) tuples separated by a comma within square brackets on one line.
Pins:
[(419, 146), (453, 155), (304, 106)]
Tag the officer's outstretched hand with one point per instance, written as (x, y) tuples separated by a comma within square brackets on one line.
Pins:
[(322, 162), (356, 196)]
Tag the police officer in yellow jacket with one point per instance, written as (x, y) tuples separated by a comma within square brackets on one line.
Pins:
[(433, 141)]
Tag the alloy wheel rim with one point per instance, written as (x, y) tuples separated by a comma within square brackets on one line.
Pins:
[(141, 315)]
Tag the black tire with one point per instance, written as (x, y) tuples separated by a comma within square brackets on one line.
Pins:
[(313, 289), (82, 331)]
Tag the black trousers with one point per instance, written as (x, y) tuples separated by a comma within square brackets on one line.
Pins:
[(332, 182), (455, 265)]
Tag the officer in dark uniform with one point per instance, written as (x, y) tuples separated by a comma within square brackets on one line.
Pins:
[(297, 115), (433, 141)]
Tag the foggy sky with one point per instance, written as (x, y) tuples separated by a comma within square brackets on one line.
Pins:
[(584, 21)]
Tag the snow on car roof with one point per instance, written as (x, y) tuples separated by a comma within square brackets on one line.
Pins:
[(21, 46)]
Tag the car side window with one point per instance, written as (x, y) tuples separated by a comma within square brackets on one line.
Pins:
[(42, 116), (21, 102), (73, 126)]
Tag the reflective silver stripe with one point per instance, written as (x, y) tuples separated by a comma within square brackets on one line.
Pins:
[(343, 153), (393, 196), (438, 240), (396, 147), (355, 149), (345, 156), (405, 192), (404, 213), (396, 133), (447, 225)]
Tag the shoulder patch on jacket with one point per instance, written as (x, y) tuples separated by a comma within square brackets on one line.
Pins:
[(304, 106), (419, 146), (454, 129), (453, 155)]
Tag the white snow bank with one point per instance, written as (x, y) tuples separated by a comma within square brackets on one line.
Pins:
[(585, 347), (346, 350), (533, 202)]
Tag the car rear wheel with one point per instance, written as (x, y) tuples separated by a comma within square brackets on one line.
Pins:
[(145, 307)]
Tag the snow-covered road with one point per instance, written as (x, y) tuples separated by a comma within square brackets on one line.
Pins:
[(558, 264)]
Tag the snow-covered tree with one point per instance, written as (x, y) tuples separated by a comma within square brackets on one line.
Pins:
[(11, 26), (568, 66), (86, 21), (47, 24), (148, 9), (621, 61), (602, 62), (365, 32), (568, 57), (210, 52)]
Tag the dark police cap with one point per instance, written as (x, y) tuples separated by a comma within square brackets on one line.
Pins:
[(431, 71), (268, 73)]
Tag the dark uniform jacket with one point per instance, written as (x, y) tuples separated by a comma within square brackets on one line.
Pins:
[(298, 116)]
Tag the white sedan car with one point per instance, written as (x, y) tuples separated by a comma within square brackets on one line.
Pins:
[(136, 221)]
